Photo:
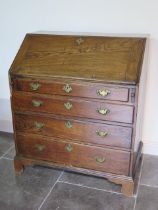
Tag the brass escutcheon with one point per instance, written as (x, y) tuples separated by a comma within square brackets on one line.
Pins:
[(100, 159), (103, 111), (67, 88), (103, 92), (40, 147), (39, 125), (36, 103), (102, 133), (68, 105), (68, 147), (68, 124), (79, 41), (35, 86)]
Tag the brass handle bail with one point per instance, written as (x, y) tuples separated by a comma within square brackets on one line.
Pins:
[(68, 105), (68, 147), (102, 133), (39, 125), (68, 124), (103, 92), (67, 88), (36, 103), (100, 159), (40, 147), (35, 86), (103, 111)]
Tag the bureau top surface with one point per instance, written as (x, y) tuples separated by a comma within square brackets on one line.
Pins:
[(84, 57)]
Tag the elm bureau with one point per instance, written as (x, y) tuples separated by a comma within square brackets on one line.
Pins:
[(74, 104)]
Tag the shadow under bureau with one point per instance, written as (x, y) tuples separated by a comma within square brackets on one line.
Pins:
[(74, 104)]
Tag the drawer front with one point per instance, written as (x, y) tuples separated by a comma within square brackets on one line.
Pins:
[(95, 133), (83, 89), (72, 107), (77, 155)]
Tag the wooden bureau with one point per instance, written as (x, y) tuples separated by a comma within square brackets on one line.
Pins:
[(74, 104)]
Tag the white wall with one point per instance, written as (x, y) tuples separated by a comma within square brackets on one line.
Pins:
[(106, 16)]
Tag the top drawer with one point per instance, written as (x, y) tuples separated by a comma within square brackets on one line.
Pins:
[(82, 89)]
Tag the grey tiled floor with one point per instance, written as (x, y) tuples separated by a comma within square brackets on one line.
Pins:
[(41, 188)]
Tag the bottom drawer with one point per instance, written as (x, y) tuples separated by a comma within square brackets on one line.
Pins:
[(72, 154)]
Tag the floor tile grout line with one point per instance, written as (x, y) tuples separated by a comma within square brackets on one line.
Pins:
[(146, 185), (50, 191), (7, 158), (61, 175), (93, 188), (138, 184), (7, 151), (61, 181)]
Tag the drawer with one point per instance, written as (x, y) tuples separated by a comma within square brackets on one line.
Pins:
[(72, 154), (23, 101), (80, 131), (82, 89)]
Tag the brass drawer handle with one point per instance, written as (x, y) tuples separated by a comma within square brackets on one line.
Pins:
[(67, 88), (68, 105), (40, 147), (39, 125), (102, 133), (68, 124), (68, 147), (100, 159), (37, 103), (103, 92), (35, 86), (103, 111)]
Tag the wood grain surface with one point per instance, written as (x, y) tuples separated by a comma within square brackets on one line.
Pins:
[(79, 89), (74, 104), (82, 156), (81, 108), (107, 58), (75, 130)]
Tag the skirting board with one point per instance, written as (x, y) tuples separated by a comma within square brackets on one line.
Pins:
[(5, 116), (150, 148), (6, 126)]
